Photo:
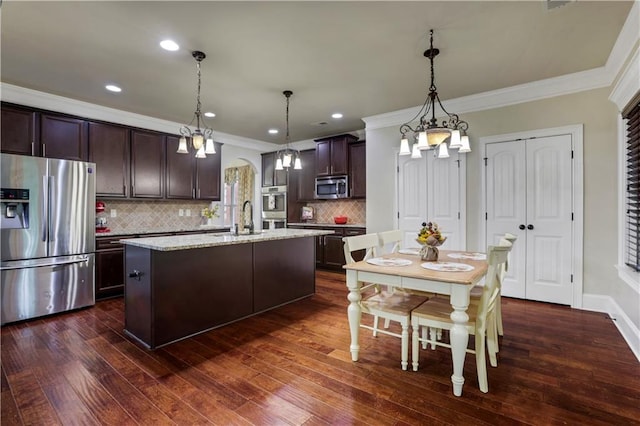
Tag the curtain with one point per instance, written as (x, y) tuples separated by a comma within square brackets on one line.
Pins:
[(244, 178)]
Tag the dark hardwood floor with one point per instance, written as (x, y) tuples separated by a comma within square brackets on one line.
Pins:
[(292, 366)]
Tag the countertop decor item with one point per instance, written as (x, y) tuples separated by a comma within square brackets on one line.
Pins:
[(430, 238), (340, 220)]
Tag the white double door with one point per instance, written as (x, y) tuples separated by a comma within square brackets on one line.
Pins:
[(529, 194), (432, 189)]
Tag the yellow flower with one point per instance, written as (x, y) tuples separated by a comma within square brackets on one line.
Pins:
[(210, 213)]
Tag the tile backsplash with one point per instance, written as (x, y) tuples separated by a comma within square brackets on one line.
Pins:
[(152, 215), (325, 211)]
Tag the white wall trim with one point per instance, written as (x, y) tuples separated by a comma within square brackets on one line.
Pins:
[(576, 132), (627, 39), (33, 98), (606, 304)]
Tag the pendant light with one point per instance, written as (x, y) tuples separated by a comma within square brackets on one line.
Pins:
[(429, 134), (288, 157), (200, 139)]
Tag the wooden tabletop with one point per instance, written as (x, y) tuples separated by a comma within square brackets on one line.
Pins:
[(414, 270)]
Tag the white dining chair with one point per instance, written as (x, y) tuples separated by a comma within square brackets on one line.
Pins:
[(390, 305), (436, 313), (391, 238)]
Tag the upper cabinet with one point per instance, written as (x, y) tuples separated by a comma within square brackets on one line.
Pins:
[(332, 155), (64, 137), (147, 164), (109, 149), (357, 170), (20, 131), (271, 176), (307, 176), (192, 178)]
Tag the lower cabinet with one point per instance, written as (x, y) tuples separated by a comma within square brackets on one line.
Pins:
[(330, 248), (110, 262)]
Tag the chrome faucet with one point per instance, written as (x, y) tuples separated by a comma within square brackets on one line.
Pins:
[(250, 224)]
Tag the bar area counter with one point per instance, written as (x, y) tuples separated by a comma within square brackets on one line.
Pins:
[(179, 286)]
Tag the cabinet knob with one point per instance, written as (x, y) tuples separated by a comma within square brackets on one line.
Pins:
[(530, 226), (521, 226), (136, 274)]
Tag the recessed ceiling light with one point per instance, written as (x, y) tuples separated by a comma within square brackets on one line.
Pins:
[(169, 45), (209, 114), (113, 88), (273, 131), (336, 115)]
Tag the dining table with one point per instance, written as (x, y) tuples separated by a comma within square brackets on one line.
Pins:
[(453, 274)]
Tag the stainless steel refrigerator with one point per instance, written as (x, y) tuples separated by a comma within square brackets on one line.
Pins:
[(47, 236)]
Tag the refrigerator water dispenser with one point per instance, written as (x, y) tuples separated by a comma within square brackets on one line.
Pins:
[(14, 208)]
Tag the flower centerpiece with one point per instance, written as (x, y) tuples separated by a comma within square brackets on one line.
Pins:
[(210, 213), (430, 238)]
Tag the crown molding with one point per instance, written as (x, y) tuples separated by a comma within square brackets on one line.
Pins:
[(627, 87), (36, 99), (564, 85)]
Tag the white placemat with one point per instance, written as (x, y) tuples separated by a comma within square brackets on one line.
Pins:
[(468, 256), (447, 266), (414, 251), (389, 261)]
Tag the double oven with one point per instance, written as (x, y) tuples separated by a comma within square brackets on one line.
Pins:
[(274, 207)]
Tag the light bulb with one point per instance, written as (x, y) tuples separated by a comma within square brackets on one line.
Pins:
[(455, 142), (443, 152), (279, 164), (422, 141), (404, 147), (464, 141), (210, 147), (415, 153), (182, 146)]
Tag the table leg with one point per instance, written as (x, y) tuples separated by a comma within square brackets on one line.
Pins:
[(459, 335), (354, 312)]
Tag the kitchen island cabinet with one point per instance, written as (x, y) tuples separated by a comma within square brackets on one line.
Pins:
[(180, 286)]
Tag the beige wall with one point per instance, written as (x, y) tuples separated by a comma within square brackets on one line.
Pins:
[(599, 117)]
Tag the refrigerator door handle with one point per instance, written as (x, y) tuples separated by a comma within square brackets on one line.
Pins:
[(52, 205), (45, 207), (83, 259)]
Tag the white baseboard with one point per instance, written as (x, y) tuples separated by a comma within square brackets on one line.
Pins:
[(606, 304)]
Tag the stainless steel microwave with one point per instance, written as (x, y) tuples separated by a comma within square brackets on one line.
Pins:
[(332, 187)]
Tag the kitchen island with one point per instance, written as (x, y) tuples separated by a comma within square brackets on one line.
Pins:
[(179, 286)]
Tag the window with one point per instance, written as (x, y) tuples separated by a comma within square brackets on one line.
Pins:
[(632, 188), (230, 201)]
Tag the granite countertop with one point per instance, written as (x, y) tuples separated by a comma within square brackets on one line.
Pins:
[(143, 231), (185, 242), (323, 225)]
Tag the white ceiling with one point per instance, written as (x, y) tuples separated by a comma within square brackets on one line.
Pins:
[(359, 58)]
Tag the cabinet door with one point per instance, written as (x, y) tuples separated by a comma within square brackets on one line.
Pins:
[(208, 176), (180, 171), (307, 176), (323, 158), (64, 137), (333, 251), (147, 164), (109, 273), (339, 156), (268, 168), (357, 170), (19, 131), (109, 149)]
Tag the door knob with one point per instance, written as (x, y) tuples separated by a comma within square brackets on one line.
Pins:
[(529, 226), (521, 226)]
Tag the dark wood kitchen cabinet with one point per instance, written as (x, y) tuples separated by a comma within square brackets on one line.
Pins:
[(20, 131), (330, 248), (109, 267), (109, 149), (271, 176), (332, 155), (64, 137), (192, 178), (147, 164), (307, 176), (357, 170)]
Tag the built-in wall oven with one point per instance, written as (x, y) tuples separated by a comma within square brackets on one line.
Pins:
[(274, 207)]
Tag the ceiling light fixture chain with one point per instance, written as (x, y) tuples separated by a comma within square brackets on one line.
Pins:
[(285, 158), (197, 136), (428, 134)]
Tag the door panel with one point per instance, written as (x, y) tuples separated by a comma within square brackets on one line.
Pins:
[(412, 198), (444, 202), (506, 204)]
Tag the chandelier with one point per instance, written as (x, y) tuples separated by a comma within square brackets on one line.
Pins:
[(287, 157), (428, 133), (197, 136)]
